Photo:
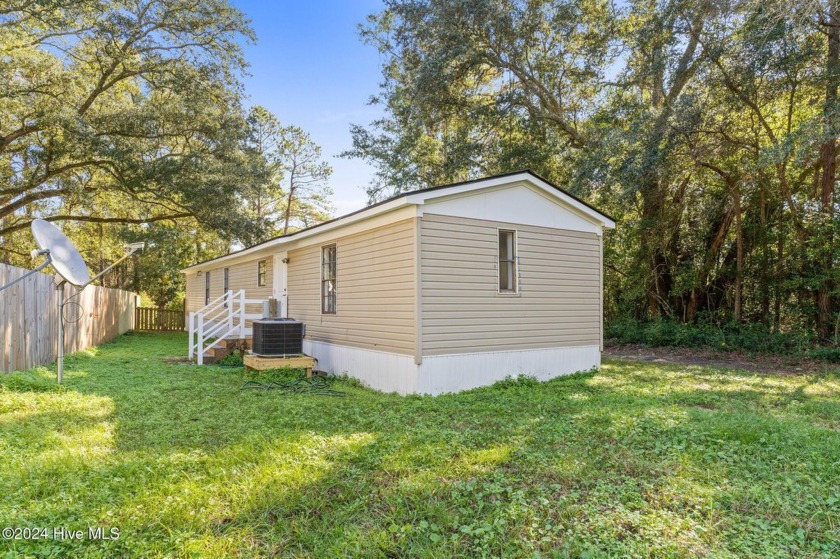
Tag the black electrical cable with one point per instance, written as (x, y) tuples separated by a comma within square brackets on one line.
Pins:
[(315, 385)]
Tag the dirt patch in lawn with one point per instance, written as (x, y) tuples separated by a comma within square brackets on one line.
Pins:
[(177, 360), (772, 364)]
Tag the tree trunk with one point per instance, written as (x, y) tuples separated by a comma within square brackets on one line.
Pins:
[(652, 258), (739, 260), (779, 273), (289, 201), (288, 216), (828, 160), (765, 279)]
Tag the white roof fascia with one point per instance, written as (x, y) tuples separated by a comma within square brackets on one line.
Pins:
[(418, 199), (294, 237)]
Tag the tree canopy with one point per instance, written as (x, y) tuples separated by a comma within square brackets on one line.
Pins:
[(708, 129), (124, 111), (124, 120), (294, 193)]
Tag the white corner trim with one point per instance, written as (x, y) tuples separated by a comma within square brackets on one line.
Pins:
[(440, 374)]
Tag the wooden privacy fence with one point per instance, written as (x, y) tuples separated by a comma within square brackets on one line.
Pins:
[(29, 318), (158, 320)]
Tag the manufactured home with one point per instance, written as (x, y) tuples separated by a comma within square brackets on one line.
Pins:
[(432, 291)]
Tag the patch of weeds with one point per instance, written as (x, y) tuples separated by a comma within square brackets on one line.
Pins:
[(519, 381), (232, 360), (348, 381), (282, 374)]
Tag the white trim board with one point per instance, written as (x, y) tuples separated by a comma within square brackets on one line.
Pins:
[(441, 374), (280, 282)]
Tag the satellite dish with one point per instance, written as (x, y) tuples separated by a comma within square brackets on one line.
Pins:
[(66, 260), (65, 256)]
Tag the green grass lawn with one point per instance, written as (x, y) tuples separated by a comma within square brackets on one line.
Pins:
[(635, 460)]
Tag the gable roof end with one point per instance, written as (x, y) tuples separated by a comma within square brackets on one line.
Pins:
[(419, 197)]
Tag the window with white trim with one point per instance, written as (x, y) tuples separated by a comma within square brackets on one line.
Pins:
[(328, 274), (261, 270), (507, 261), (226, 286), (206, 288)]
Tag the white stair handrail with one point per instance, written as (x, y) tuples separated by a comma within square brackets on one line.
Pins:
[(200, 337), (215, 321), (191, 353), (222, 318)]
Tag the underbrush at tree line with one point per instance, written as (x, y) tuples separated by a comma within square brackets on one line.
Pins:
[(733, 336)]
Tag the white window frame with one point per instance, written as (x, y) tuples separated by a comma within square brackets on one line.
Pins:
[(324, 280), (515, 261), (206, 288), (262, 275), (226, 285)]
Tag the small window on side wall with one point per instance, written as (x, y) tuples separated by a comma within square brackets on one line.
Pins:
[(206, 288), (226, 286), (261, 273), (328, 274), (507, 261)]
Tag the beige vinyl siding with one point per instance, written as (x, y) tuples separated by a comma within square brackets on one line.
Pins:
[(194, 292), (242, 275), (375, 285), (558, 303)]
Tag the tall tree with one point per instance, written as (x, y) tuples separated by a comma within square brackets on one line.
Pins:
[(293, 192), (134, 100), (709, 129), (304, 178), (264, 199), (469, 85)]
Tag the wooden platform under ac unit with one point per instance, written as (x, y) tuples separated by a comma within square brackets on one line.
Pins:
[(261, 363)]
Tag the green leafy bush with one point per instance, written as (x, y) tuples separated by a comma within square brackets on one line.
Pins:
[(831, 354), (232, 360), (753, 338)]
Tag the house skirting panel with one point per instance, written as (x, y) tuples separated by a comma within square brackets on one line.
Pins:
[(440, 374), (388, 372)]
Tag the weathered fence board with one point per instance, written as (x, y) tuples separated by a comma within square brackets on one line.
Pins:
[(158, 320), (29, 318)]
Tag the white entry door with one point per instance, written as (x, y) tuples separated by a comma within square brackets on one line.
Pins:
[(281, 278)]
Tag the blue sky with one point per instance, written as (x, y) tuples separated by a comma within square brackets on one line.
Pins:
[(309, 68)]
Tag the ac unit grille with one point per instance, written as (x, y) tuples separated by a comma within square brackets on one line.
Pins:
[(278, 336)]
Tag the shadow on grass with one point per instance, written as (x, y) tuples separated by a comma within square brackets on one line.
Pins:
[(656, 460)]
